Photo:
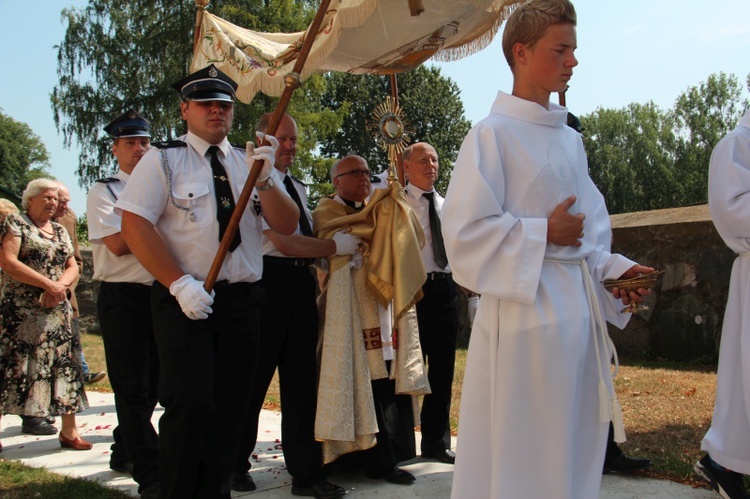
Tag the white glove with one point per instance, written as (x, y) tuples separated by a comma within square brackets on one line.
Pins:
[(192, 297), (356, 261), (266, 153), (346, 244), (472, 305)]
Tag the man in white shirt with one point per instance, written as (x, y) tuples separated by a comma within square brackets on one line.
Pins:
[(436, 311), (289, 334), (176, 209), (124, 311)]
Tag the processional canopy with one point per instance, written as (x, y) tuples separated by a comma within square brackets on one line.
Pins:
[(356, 36)]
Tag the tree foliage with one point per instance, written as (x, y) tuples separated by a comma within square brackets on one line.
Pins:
[(431, 105), (23, 156), (643, 157), (118, 54)]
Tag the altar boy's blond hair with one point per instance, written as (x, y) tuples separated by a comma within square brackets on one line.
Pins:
[(529, 22)]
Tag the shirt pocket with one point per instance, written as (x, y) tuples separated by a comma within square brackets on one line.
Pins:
[(197, 199)]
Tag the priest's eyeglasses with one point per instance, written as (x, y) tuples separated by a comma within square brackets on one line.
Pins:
[(354, 173)]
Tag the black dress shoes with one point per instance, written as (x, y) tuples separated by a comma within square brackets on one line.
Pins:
[(319, 490), (243, 482), (36, 426), (624, 464), (151, 491), (393, 475), (444, 456), (121, 467)]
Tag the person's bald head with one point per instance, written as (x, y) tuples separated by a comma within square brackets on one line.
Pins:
[(63, 198), (286, 134), (351, 178), (421, 165)]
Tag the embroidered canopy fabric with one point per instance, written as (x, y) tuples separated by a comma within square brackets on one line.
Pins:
[(357, 36)]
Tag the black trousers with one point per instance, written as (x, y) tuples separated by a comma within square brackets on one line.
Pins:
[(207, 369), (289, 334), (124, 311), (438, 326), (395, 417)]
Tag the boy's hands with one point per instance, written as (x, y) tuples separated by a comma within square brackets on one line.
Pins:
[(563, 228)]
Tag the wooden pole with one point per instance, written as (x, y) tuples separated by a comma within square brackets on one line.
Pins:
[(561, 96), (399, 164), (201, 5), (292, 81)]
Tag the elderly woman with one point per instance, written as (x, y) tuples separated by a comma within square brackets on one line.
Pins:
[(41, 375)]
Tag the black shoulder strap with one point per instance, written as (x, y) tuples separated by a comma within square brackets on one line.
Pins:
[(298, 181), (106, 182), (168, 144)]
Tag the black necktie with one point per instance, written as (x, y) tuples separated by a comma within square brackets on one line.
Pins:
[(438, 248), (304, 223), (224, 197)]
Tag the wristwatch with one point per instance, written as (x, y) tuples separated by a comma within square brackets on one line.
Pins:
[(268, 185)]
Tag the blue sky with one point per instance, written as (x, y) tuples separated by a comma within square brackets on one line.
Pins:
[(629, 51)]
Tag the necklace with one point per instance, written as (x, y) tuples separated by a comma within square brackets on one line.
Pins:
[(50, 233)]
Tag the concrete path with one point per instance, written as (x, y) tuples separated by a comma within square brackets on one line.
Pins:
[(269, 472)]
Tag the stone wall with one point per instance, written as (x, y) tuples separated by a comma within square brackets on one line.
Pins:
[(685, 312), (687, 306)]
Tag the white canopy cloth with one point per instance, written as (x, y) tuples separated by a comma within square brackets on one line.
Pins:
[(357, 36)]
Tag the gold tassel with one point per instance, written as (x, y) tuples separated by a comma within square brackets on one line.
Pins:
[(416, 7)]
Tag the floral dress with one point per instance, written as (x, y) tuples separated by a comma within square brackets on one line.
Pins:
[(40, 374)]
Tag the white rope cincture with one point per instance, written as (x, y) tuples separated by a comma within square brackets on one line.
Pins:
[(609, 406)]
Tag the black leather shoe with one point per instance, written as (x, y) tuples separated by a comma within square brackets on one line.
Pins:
[(121, 467), (243, 483), (319, 490), (37, 426), (624, 464), (394, 475), (151, 491), (444, 456)]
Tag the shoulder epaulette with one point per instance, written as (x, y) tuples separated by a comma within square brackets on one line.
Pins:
[(239, 146), (298, 181), (107, 180), (168, 144)]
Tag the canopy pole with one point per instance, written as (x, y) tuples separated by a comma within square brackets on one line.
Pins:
[(399, 167), (292, 82), (561, 96), (201, 6)]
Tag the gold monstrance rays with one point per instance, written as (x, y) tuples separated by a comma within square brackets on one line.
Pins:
[(391, 131)]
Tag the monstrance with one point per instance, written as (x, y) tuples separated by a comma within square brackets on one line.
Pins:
[(391, 131), (645, 281)]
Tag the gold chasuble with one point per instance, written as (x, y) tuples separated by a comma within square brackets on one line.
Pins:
[(351, 346)]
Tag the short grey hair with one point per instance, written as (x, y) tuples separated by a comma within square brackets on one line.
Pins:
[(36, 187)]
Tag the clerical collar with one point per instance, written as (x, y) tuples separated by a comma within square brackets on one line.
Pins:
[(357, 205)]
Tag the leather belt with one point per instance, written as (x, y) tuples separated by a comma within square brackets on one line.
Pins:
[(289, 262), (439, 276)]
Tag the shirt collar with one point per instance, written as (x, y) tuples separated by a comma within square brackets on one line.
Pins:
[(415, 192), (201, 146)]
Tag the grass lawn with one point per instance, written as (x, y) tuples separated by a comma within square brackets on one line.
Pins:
[(667, 409)]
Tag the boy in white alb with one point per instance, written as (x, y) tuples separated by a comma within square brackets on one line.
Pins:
[(726, 443), (526, 228)]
